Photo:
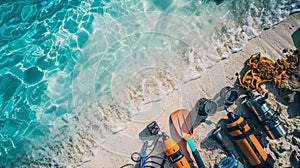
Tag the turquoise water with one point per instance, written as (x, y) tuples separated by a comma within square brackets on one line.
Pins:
[(73, 71)]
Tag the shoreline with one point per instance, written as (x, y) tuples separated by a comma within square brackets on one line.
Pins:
[(116, 151)]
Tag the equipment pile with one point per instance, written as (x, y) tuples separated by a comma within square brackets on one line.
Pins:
[(284, 73)]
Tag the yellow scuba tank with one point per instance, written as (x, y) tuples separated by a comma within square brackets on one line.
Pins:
[(174, 153), (245, 139)]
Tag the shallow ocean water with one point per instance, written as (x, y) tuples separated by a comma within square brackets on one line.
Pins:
[(73, 71)]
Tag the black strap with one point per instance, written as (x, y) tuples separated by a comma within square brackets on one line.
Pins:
[(246, 136), (242, 136), (234, 128), (252, 145)]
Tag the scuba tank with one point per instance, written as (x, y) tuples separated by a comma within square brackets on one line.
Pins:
[(245, 139), (229, 161), (174, 153), (266, 116)]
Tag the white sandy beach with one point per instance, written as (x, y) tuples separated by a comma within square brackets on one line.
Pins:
[(116, 150)]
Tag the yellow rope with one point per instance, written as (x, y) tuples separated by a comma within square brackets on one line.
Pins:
[(261, 69)]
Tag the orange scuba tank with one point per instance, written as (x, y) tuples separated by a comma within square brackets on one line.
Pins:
[(174, 153), (245, 139)]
